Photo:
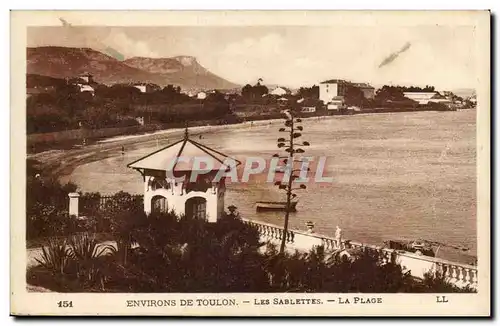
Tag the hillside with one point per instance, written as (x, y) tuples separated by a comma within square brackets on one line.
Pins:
[(62, 62), (183, 70), (43, 81)]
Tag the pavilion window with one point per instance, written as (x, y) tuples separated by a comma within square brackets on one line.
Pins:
[(159, 183), (196, 208)]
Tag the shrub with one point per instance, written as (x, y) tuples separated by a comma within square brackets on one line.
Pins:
[(84, 253), (55, 257), (45, 220), (46, 205), (186, 255)]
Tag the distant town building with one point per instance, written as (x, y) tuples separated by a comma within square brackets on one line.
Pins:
[(336, 103), (308, 109), (338, 87), (86, 78), (426, 97), (280, 91), (201, 95), (308, 105), (141, 87), (140, 120), (147, 88), (30, 91), (420, 97), (367, 89), (332, 88), (86, 88)]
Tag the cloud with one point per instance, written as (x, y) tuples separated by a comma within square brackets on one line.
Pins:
[(247, 59), (83, 37), (122, 43), (260, 47)]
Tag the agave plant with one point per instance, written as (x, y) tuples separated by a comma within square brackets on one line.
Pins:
[(84, 251), (55, 256), (84, 247)]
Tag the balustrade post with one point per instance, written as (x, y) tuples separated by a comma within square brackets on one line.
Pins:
[(474, 279), (467, 276), (453, 273), (460, 274)]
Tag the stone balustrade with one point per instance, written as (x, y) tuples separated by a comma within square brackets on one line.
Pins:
[(271, 232), (459, 274)]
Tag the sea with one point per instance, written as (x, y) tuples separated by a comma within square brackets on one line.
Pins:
[(395, 176)]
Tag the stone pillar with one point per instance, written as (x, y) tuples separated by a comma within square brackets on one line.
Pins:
[(147, 196), (73, 203), (147, 203), (212, 208)]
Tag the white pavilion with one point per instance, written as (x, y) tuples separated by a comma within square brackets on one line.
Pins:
[(199, 198)]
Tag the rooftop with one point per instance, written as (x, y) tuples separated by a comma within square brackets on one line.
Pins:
[(334, 81), (179, 156), (363, 85)]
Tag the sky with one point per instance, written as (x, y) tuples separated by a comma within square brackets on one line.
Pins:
[(294, 56)]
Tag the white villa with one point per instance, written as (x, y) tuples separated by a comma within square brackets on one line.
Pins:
[(336, 103), (426, 97), (141, 87), (162, 170), (86, 88), (86, 78), (280, 91), (201, 95)]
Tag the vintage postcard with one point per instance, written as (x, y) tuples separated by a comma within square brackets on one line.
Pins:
[(250, 163)]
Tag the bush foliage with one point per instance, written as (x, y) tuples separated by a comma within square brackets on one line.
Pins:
[(166, 253)]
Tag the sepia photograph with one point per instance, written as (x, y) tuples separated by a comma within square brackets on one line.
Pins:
[(324, 160)]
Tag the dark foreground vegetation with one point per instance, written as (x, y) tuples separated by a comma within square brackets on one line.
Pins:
[(165, 253), (185, 255)]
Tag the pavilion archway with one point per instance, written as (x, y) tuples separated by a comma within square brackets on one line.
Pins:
[(159, 204), (196, 208)]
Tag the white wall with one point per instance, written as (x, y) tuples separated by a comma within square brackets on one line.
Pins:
[(278, 91), (142, 88), (420, 97), (327, 92), (333, 106), (308, 109), (176, 198)]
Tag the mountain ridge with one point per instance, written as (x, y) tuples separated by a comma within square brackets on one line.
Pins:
[(64, 62)]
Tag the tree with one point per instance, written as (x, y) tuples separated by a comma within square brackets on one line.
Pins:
[(354, 96), (254, 92), (389, 93), (291, 148), (309, 92)]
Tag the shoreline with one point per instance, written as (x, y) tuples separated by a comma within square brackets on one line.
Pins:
[(151, 130), (61, 162)]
